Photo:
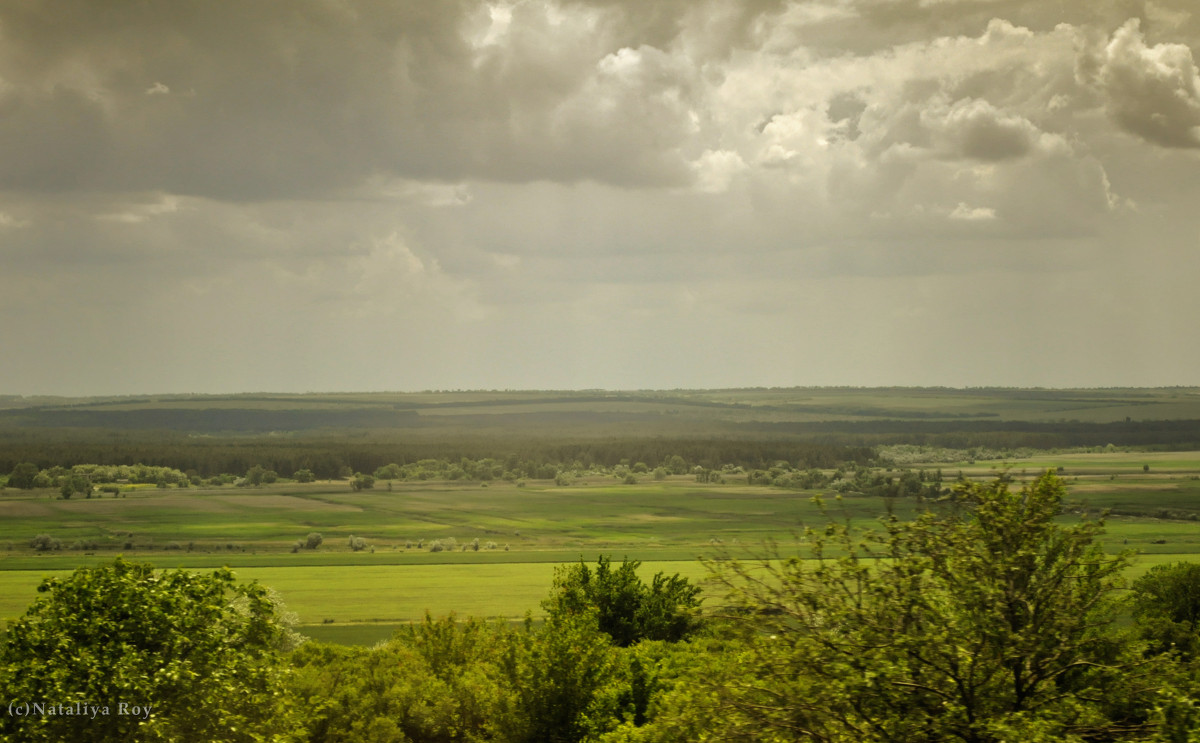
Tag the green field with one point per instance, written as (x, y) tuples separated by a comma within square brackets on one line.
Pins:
[(1131, 452), (360, 596)]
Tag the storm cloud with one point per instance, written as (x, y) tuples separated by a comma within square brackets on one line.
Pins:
[(347, 194)]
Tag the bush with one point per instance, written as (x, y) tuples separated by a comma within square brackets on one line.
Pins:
[(23, 476), (626, 609), (45, 543), (313, 540), (202, 653), (990, 621), (357, 544)]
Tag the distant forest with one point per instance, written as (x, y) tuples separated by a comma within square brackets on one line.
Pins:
[(751, 428)]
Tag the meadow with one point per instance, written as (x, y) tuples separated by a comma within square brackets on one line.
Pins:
[(524, 532), (1132, 452)]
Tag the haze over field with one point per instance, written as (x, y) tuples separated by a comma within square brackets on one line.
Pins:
[(317, 195)]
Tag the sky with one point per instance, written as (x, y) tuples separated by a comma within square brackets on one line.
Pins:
[(343, 195)]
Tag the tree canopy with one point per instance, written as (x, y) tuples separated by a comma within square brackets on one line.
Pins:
[(985, 622), (626, 609), (198, 656)]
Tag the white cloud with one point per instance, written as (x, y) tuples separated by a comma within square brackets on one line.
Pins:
[(972, 214), (137, 213), (976, 129), (8, 221), (1151, 91), (715, 170)]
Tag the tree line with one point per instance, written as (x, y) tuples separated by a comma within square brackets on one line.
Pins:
[(328, 455)]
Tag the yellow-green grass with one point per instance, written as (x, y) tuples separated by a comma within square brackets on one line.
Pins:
[(382, 593), (389, 595), (665, 524)]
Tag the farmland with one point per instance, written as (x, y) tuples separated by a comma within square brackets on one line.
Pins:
[(533, 528), (524, 524)]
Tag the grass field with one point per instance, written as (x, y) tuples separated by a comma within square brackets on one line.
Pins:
[(360, 597)]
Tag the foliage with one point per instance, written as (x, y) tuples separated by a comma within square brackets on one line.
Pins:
[(989, 623), (22, 476), (313, 540), (357, 544), (624, 607), (200, 650), (1166, 606), (448, 680), (45, 543), (362, 482), (71, 484), (255, 475)]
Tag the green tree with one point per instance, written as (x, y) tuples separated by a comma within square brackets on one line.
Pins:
[(72, 484), (254, 475), (624, 607), (305, 475), (568, 681), (362, 482), (45, 543), (200, 652), (313, 540), (990, 623), (391, 471), (23, 476), (1166, 606)]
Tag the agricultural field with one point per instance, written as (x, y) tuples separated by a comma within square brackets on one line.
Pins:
[(523, 532), (1134, 453)]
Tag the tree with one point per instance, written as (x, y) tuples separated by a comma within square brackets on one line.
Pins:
[(45, 543), (303, 476), (254, 475), (362, 482), (357, 544), (198, 655), (989, 623), (72, 484), (23, 476), (313, 540), (625, 608), (1166, 606)]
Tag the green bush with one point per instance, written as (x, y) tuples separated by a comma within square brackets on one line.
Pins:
[(200, 653)]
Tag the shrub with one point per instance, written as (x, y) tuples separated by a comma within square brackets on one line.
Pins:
[(626, 609), (45, 543), (202, 652)]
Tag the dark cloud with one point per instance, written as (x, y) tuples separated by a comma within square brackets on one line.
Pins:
[(308, 97), (589, 175)]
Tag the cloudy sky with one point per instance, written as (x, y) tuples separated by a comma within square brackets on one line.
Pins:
[(294, 195)]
